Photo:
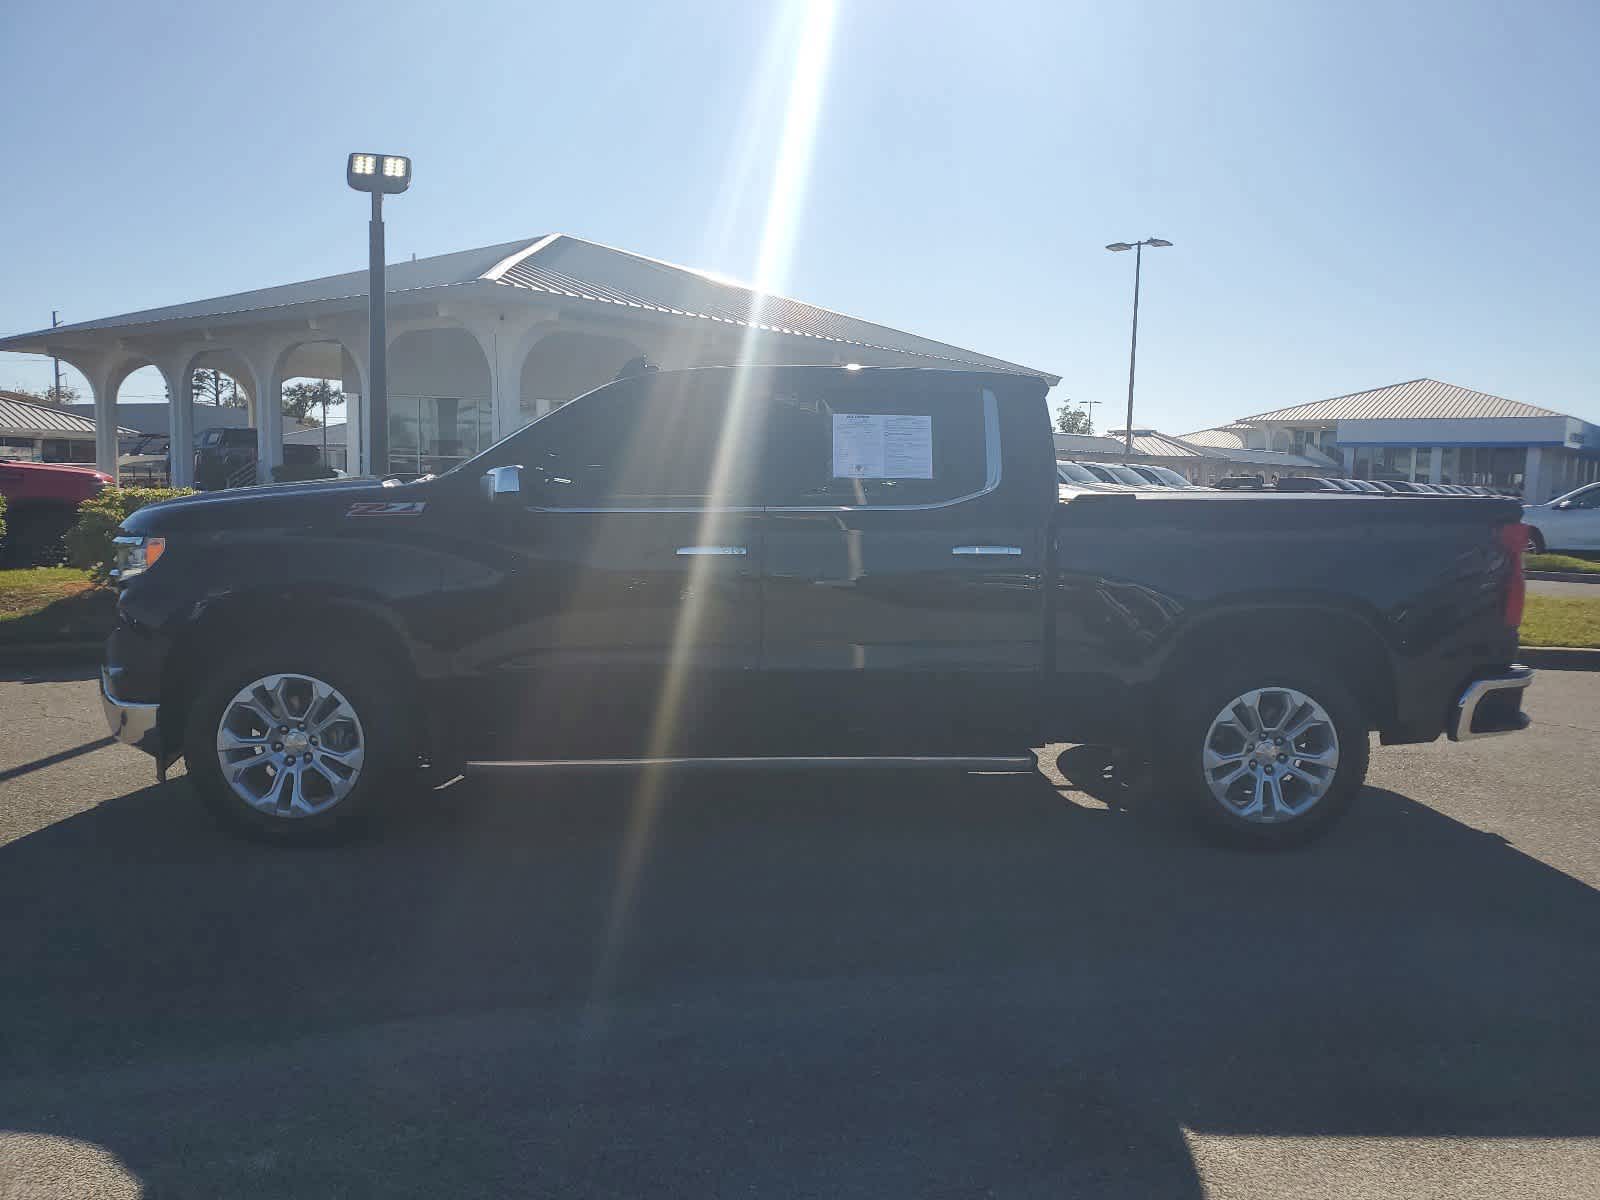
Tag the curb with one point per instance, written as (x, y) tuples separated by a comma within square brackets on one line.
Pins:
[(31, 653), (1564, 576), (1564, 658)]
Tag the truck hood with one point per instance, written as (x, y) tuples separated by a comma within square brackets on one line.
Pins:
[(274, 506)]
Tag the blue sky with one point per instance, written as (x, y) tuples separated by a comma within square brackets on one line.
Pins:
[(1358, 194)]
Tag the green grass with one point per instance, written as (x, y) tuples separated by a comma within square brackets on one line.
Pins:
[(53, 604), (1561, 621), (1561, 562)]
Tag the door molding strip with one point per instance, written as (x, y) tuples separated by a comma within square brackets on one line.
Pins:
[(1021, 762)]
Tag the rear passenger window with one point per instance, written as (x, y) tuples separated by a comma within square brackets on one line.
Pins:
[(867, 444)]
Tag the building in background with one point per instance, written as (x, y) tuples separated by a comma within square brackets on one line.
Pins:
[(480, 343), (1430, 432), (1198, 464), (330, 442), (155, 416), (45, 432), (1091, 447), (1207, 464)]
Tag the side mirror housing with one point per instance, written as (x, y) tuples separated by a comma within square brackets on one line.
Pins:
[(502, 485)]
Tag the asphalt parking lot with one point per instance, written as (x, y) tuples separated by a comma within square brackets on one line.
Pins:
[(808, 986)]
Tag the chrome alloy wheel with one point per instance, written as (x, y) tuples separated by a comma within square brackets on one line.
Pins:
[(1270, 755), (290, 745)]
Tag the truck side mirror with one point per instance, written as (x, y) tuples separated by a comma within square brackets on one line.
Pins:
[(502, 485)]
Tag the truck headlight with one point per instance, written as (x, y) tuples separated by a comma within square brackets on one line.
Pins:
[(136, 555)]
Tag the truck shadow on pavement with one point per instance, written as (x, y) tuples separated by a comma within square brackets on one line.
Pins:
[(809, 985)]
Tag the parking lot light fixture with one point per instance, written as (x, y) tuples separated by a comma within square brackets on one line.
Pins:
[(378, 175), (1133, 349)]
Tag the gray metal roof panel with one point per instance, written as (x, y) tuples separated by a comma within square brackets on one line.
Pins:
[(1414, 399), (569, 266), (18, 416), (1222, 438), (1273, 458), (1154, 444), (1086, 443), (562, 265)]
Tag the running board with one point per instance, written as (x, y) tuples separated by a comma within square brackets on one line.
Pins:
[(1023, 762)]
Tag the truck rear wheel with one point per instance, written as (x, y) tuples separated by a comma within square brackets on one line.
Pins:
[(1268, 755), (295, 743)]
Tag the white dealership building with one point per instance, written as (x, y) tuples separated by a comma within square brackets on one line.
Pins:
[(1430, 432), (479, 343)]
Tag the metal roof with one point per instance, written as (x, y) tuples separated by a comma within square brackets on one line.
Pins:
[(19, 416), (1226, 437), (1277, 458), (568, 267), (1152, 444), (312, 435), (1417, 398), (1086, 443)]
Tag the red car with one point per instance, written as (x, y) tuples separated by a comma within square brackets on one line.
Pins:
[(41, 503)]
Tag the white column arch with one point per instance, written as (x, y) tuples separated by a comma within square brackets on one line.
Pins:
[(178, 371), (355, 406), (571, 361), (105, 372), (263, 360), (450, 361), (506, 341)]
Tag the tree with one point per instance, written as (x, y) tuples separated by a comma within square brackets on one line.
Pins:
[(1073, 420), (52, 395), (304, 401), (213, 387)]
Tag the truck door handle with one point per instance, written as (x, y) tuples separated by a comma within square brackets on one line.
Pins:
[(709, 550), (986, 550)]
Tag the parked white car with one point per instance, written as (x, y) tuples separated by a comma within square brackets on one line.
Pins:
[(1570, 522)]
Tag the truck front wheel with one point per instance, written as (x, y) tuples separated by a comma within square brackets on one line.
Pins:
[(294, 744), (1267, 756)]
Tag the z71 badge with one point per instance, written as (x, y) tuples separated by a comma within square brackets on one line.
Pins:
[(380, 508)]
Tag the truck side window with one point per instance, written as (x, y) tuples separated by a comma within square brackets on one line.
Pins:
[(656, 441), (802, 433)]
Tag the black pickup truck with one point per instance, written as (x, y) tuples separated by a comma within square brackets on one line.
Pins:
[(812, 567)]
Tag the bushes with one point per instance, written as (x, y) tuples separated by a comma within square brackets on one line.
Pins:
[(89, 541), (2, 519)]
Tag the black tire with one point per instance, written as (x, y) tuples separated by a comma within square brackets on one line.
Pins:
[(389, 766), (1535, 541), (1181, 774)]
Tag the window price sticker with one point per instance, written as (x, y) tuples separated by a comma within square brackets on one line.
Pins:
[(882, 446)]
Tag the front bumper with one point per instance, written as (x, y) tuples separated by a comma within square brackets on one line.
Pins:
[(1491, 705), (136, 724)]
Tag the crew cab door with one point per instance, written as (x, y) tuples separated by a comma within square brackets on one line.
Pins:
[(625, 619), (902, 590)]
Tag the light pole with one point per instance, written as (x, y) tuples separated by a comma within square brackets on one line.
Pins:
[(1133, 349), (378, 174)]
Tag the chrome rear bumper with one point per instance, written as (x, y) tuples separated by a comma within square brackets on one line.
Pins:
[(1492, 705), (129, 722)]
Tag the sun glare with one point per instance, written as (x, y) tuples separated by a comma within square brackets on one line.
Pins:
[(814, 21)]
